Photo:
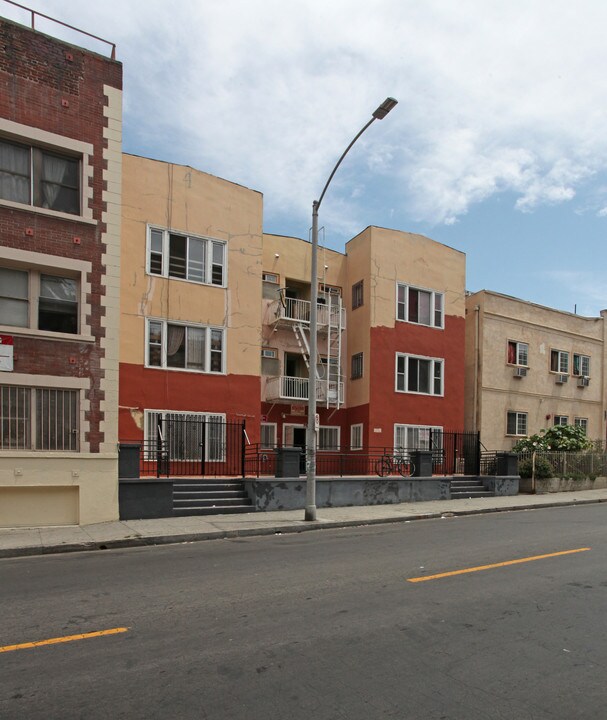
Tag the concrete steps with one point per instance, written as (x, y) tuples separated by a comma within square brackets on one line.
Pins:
[(468, 487), (210, 497)]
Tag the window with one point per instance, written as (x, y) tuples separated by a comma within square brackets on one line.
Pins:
[(581, 365), (424, 307), (42, 178), (357, 295), (583, 423), (559, 361), (188, 433), (186, 347), (328, 438), (518, 353), (38, 419), (269, 353), (356, 436), (268, 435), (186, 257), (357, 366), (517, 423), (561, 420), (418, 437), (270, 277), (419, 375), (55, 296)]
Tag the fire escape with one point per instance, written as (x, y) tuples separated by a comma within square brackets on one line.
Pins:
[(295, 313)]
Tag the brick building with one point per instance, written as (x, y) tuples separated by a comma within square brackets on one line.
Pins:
[(60, 215)]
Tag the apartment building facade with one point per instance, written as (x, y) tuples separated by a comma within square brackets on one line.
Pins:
[(529, 367), (391, 341), (191, 299), (60, 215)]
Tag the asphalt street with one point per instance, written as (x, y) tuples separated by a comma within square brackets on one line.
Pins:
[(319, 625)]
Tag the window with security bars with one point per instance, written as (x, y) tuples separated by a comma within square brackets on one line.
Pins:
[(357, 295), (268, 435), (357, 366), (328, 438), (356, 436), (39, 419), (186, 257), (582, 423), (184, 435), (559, 361)]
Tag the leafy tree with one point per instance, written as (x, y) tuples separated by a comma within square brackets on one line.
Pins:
[(558, 437)]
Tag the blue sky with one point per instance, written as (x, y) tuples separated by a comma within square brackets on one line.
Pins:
[(498, 146)]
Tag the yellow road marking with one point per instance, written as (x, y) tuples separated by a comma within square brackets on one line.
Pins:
[(65, 639), (423, 578)]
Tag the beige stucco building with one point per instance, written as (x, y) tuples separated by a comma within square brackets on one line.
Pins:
[(529, 367)]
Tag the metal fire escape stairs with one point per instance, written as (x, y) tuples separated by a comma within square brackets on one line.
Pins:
[(330, 322)]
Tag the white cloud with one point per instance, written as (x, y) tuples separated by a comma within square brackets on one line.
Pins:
[(493, 96)]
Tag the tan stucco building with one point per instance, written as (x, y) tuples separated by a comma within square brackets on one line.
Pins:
[(529, 367)]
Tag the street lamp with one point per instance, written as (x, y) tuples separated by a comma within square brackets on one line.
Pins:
[(310, 513)]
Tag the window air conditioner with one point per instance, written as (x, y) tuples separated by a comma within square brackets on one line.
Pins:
[(560, 379), (520, 372), (583, 381)]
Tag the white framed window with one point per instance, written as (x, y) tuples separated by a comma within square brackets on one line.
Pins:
[(416, 374), (328, 438), (419, 306), (559, 361), (516, 423), (269, 353), (186, 257), (518, 353), (356, 436), (418, 437), (561, 420), (175, 346), (268, 435), (39, 300), (581, 365), (270, 278), (39, 419), (39, 177), (583, 423), (190, 432)]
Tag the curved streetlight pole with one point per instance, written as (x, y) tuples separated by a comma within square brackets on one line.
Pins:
[(310, 513)]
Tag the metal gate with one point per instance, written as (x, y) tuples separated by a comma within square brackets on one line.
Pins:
[(191, 445)]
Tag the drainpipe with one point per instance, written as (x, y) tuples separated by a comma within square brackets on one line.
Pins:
[(476, 365)]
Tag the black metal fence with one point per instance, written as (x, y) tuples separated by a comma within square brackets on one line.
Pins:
[(196, 447), (453, 453)]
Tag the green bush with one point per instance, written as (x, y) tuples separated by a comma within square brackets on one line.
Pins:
[(543, 469), (558, 437)]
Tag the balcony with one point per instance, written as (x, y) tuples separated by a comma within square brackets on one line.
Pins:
[(292, 310), (296, 388)]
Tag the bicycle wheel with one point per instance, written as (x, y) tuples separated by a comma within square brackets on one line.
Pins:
[(405, 467), (383, 466)]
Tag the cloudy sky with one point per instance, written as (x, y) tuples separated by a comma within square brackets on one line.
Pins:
[(498, 146)]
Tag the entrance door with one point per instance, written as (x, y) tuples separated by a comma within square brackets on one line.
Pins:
[(299, 440)]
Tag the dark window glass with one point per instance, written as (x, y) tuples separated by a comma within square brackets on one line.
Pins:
[(58, 304)]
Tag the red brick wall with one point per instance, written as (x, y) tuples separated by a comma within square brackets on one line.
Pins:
[(35, 77)]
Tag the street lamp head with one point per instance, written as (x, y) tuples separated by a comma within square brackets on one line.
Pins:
[(385, 108)]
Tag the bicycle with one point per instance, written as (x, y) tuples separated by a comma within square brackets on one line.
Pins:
[(391, 464)]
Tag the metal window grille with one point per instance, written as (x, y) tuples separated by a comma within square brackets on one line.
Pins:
[(15, 418), (56, 419)]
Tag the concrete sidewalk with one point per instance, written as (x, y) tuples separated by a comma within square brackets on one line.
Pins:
[(15, 542)]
